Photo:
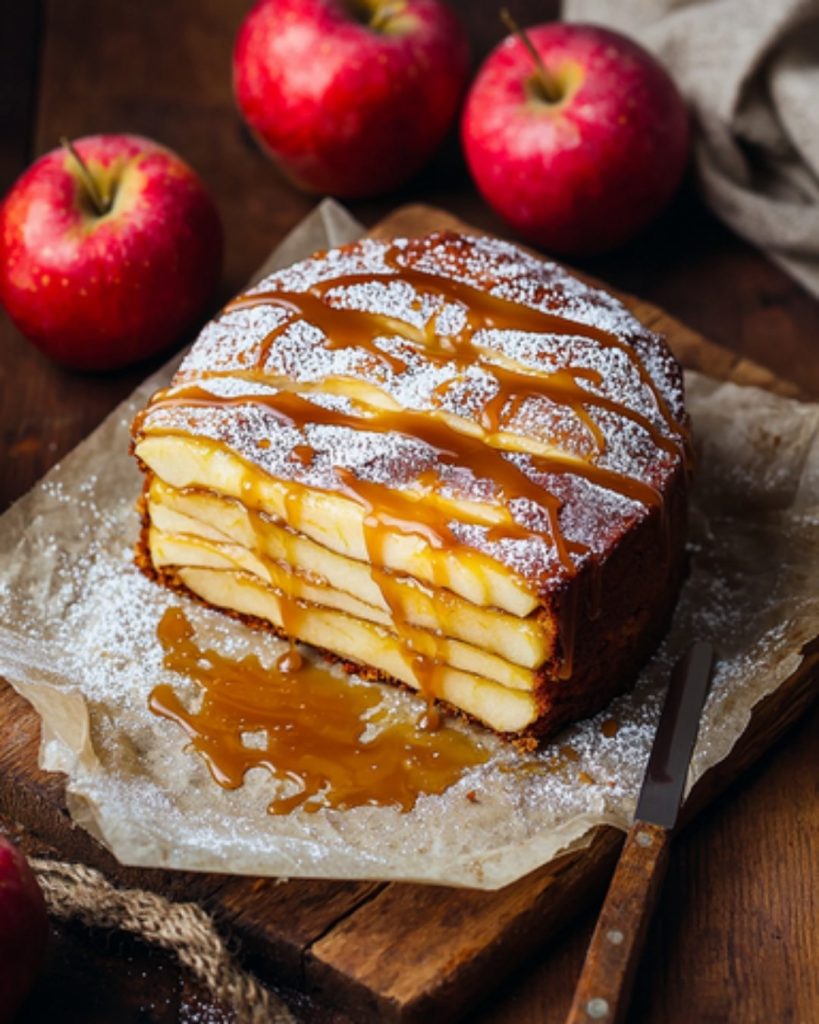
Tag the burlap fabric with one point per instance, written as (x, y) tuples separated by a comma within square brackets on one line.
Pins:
[(79, 892)]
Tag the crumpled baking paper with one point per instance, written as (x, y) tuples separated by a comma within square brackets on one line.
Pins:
[(78, 640)]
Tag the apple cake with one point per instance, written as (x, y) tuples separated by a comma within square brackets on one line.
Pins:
[(443, 460)]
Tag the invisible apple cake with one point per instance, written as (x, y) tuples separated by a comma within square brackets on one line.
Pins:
[(442, 460)]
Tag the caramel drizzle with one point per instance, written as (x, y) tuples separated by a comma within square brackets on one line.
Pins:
[(386, 509), (309, 728), (352, 328), (492, 312)]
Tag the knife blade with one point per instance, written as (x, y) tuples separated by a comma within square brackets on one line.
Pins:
[(664, 781), (603, 990)]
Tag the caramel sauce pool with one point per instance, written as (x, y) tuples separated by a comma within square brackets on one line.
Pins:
[(304, 725)]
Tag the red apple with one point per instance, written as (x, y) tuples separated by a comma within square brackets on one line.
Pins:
[(23, 928), (580, 154), (350, 97), (107, 253)]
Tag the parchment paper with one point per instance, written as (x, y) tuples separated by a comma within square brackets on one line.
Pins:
[(77, 639)]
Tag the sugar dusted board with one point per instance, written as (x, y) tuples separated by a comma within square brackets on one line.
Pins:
[(393, 951)]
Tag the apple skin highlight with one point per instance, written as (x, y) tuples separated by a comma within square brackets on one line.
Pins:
[(23, 929), (585, 173), (101, 291), (350, 98)]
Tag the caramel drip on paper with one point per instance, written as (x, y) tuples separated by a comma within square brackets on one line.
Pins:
[(304, 725)]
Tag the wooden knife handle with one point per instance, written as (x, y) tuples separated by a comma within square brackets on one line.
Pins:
[(602, 993)]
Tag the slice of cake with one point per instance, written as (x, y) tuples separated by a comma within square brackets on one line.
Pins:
[(443, 460)]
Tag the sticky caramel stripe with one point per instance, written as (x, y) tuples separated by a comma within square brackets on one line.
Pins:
[(516, 386), (452, 447), (484, 311), (352, 328)]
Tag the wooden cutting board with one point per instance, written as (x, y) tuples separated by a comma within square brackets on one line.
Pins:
[(390, 951)]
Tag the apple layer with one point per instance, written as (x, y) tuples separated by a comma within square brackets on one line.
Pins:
[(333, 521), (371, 646), (263, 546), (179, 551)]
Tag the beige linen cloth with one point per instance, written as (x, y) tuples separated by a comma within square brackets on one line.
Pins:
[(750, 72)]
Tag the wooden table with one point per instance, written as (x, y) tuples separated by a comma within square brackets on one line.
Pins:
[(736, 936)]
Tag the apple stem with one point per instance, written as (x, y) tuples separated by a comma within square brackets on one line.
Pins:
[(552, 93), (101, 203), (384, 12)]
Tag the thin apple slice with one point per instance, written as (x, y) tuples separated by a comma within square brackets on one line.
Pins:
[(194, 552)]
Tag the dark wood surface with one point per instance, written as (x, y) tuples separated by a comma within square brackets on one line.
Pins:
[(735, 937)]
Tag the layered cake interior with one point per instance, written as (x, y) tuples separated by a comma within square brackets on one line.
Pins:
[(442, 460)]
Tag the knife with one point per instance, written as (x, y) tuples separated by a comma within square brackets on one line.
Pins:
[(603, 990)]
